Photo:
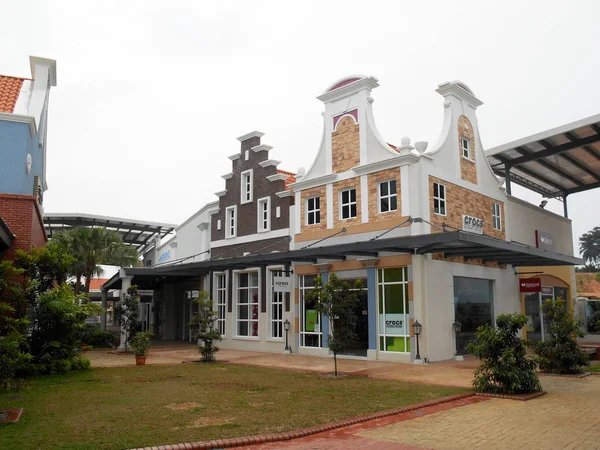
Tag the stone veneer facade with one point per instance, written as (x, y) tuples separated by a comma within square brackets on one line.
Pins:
[(345, 144), (373, 182), (337, 213), (468, 166), (319, 191)]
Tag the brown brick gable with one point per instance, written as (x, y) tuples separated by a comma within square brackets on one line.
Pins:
[(345, 145), (468, 167)]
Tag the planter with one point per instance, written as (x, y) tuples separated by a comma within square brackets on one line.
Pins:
[(140, 360)]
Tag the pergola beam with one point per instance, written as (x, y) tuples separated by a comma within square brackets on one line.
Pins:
[(572, 160), (550, 166), (556, 149)]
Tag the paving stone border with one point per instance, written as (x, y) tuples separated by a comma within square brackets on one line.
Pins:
[(263, 439), (567, 375), (522, 397)]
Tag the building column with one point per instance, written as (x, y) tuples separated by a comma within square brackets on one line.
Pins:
[(104, 294), (372, 307), (125, 285)]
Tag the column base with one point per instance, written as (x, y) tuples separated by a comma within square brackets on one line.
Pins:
[(287, 352), (121, 348), (459, 358), (418, 361)]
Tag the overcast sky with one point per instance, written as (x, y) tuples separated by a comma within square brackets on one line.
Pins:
[(152, 95)]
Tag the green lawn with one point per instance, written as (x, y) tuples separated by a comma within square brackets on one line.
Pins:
[(153, 405), (592, 368)]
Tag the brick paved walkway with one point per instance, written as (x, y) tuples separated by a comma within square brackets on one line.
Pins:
[(448, 373), (567, 418)]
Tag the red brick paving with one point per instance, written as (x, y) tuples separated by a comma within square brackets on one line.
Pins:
[(346, 438)]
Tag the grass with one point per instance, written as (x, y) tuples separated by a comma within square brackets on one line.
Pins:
[(593, 368), (116, 408)]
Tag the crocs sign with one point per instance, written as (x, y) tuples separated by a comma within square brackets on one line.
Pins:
[(530, 285), (472, 224)]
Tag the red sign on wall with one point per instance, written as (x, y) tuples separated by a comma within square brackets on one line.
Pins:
[(530, 285)]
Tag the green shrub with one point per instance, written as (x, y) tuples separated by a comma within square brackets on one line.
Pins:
[(203, 327), (95, 337), (504, 366), (13, 358), (560, 352), (140, 343)]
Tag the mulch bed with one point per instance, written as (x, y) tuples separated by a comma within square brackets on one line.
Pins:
[(10, 415), (522, 397)]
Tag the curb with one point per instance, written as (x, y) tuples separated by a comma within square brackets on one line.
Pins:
[(567, 375), (521, 397), (262, 439)]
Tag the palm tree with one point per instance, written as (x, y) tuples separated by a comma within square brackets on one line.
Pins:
[(92, 247), (589, 246)]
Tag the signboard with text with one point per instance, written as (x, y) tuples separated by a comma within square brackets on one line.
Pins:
[(472, 224), (281, 284), (544, 240), (530, 285), (393, 324)]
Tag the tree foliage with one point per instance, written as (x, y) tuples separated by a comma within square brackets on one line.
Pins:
[(203, 327), (504, 366), (127, 312), (91, 247), (560, 352), (589, 247), (337, 300)]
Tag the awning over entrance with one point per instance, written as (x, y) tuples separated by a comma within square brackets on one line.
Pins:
[(454, 243), (554, 163), (6, 236), (133, 232)]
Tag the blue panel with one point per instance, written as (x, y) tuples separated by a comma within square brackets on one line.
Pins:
[(372, 307), (15, 143), (324, 319)]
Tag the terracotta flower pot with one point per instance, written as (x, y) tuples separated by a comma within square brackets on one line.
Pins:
[(140, 360)]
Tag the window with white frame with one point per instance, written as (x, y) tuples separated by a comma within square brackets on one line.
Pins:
[(276, 307), (247, 304), (231, 222), (394, 317), (264, 214), (313, 210), (465, 145), (496, 216), (388, 200), (348, 204), (310, 320), (221, 294), (439, 199), (246, 188)]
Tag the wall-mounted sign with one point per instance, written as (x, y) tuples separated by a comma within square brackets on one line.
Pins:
[(544, 240), (166, 255), (530, 285), (472, 224), (281, 284)]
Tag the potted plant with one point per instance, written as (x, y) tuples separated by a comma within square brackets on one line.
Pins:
[(140, 344)]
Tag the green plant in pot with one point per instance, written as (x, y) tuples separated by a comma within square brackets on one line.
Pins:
[(140, 344)]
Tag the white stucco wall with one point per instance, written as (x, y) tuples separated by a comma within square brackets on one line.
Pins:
[(522, 219), (437, 296), (193, 235)]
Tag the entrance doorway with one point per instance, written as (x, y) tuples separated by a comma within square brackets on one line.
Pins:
[(536, 329), (360, 346), (473, 307)]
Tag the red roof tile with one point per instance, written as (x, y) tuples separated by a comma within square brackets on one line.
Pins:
[(290, 179), (96, 283), (10, 87)]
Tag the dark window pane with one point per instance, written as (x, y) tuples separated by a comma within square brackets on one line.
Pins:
[(353, 195), (442, 191), (311, 218), (383, 188), (436, 205), (345, 212), (435, 190), (311, 203), (243, 328), (317, 202), (385, 207), (318, 217), (353, 211), (393, 205), (393, 186), (345, 196)]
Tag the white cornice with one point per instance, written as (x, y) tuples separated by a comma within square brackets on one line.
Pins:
[(286, 193), (221, 193), (345, 91), (261, 147), (227, 176), (173, 244), (400, 160), (235, 156), (252, 134), (319, 181), (269, 162), (30, 120), (277, 177)]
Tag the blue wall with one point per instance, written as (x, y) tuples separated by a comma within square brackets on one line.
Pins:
[(15, 143)]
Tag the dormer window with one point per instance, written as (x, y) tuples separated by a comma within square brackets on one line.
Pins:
[(246, 188), (465, 144)]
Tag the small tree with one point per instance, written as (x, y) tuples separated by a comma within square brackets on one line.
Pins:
[(127, 313), (504, 366), (337, 300), (560, 352), (203, 326)]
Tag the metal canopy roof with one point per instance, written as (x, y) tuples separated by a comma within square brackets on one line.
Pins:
[(454, 243), (554, 163), (133, 232)]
